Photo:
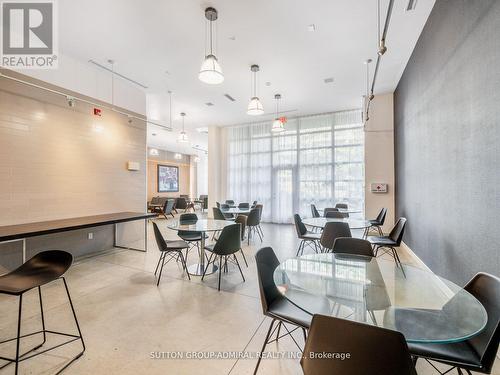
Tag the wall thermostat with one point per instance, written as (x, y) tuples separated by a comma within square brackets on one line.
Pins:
[(378, 187)]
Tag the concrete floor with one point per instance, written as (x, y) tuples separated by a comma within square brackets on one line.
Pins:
[(126, 318)]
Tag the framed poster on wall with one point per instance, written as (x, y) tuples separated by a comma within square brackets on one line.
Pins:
[(168, 178)]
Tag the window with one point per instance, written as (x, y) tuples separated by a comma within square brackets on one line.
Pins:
[(318, 159)]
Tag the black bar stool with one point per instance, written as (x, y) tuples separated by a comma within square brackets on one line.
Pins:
[(42, 269)]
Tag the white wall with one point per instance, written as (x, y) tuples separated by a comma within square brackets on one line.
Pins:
[(89, 80), (379, 158)]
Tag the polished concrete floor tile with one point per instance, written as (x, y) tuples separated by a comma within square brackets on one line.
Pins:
[(183, 326)]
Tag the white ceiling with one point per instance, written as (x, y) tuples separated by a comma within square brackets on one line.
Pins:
[(147, 39)]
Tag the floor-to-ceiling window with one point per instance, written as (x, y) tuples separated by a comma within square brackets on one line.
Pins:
[(318, 159)]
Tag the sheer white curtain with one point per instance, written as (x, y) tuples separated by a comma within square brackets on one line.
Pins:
[(318, 159)]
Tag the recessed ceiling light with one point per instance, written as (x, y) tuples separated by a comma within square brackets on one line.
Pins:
[(209, 104), (311, 27), (232, 37), (153, 134), (268, 83), (328, 80)]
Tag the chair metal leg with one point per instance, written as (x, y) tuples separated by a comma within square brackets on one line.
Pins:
[(18, 340), (208, 264), (220, 271), (244, 258), (260, 236), (184, 266), (43, 318), (238, 264), (161, 269), (263, 347), (158, 264)]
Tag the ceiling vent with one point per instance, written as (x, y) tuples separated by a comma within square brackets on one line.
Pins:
[(230, 97), (209, 104), (328, 80)]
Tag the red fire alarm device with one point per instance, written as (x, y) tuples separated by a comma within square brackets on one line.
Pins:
[(97, 112)]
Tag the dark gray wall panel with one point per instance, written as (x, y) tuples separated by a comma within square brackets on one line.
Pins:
[(447, 140)]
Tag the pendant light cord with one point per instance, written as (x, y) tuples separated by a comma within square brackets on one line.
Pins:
[(170, 113), (378, 22), (210, 23)]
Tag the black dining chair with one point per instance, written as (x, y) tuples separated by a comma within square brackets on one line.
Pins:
[(370, 350), (343, 206), (244, 205), (390, 242), (253, 204), (277, 307), (225, 249), (217, 204), (329, 209), (307, 238), (172, 249), (42, 269), (352, 246), (225, 207), (242, 220), (230, 202), (314, 211), (335, 215), (260, 207), (253, 223), (331, 232), (378, 222), (168, 208), (478, 353), (192, 238)]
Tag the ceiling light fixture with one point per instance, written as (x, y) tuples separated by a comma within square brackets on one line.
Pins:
[(210, 71), (368, 96), (411, 5), (182, 138), (154, 152), (278, 123), (177, 156), (255, 107)]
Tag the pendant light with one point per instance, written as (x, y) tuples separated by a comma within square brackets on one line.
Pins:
[(210, 71), (182, 138), (255, 107), (278, 125)]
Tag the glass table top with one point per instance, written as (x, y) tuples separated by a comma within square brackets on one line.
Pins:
[(320, 222), (422, 306), (344, 210), (236, 210), (201, 225)]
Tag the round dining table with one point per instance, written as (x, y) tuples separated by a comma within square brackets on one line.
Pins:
[(424, 307), (203, 226), (320, 222), (236, 211), (344, 210)]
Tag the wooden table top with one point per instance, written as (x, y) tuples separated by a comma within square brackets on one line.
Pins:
[(18, 231)]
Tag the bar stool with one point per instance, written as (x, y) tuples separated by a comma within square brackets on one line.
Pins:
[(42, 269)]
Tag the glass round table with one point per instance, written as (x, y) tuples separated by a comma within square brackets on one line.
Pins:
[(320, 222), (203, 226), (424, 307)]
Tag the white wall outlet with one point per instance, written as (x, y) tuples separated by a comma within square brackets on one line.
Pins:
[(90, 236)]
